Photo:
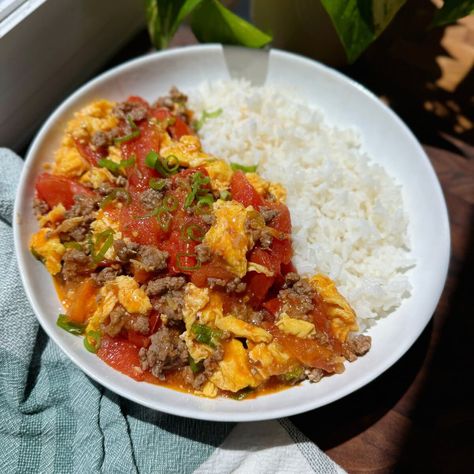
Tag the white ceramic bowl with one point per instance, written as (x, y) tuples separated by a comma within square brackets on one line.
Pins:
[(344, 102)]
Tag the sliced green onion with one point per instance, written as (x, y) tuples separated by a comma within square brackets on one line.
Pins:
[(69, 326), (151, 159), (95, 344), (242, 394), (165, 166), (193, 232), (133, 134), (292, 375), (245, 169), (73, 245), (36, 255), (129, 162), (196, 367), (206, 200), (170, 203), (171, 164), (206, 335), (157, 183), (109, 164), (106, 239), (185, 268), (205, 116), (198, 180), (164, 218), (225, 195), (114, 167), (113, 195)]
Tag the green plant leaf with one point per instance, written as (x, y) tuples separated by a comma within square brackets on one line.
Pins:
[(164, 17), (452, 10), (359, 22), (211, 22)]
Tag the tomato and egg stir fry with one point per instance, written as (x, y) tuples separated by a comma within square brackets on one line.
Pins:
[(174, 265)]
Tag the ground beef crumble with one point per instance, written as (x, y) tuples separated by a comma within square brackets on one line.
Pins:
[(151, 258), (297, 300), (167, 351), (76, 264), (356, 345), (158, 286)]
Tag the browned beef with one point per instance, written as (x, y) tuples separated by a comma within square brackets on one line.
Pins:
[(40, 207), (158, 286), (118, 318), (139, 324), (267, 213), (76, 264), (203, 253), (105, 275), (314, 375), (84, 206), (297, 301), (152, 258), (235, 285), (265, 239), (290, 279), (167, 351), (208, 219), (170, 304), (125, 250), (356, 346), (151, 199), (134, 110), (104, 139)]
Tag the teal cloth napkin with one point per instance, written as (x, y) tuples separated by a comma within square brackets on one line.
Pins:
[(53, 418)]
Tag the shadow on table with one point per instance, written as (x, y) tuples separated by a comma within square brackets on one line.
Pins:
[(340, 421), (441, 435)]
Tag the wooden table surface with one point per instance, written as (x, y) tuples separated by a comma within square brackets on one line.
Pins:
[(418, 416)]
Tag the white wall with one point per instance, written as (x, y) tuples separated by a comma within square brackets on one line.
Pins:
[(51, 51)]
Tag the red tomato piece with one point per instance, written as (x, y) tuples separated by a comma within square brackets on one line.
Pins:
[(210, 270), (59, 189), (88, 153), (142, 230), (122, 356), (272, 306), (243, 192), (138, 339), (140, 174), (179, 128)]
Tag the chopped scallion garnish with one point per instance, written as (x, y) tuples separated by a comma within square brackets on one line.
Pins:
[(205, 116), (105, 239), (245, 169), (187, 268), (157, 183), (71, 327), (206, 335), (133, 134), (92, 341)]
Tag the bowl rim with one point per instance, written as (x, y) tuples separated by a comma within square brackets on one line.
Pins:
[(247, 416)]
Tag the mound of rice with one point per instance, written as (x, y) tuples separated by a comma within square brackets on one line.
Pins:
[(347, 212)]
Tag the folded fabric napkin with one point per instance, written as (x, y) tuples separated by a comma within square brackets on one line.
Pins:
[(55, 419)]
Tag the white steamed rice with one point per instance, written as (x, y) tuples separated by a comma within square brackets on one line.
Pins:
[(347, 212)]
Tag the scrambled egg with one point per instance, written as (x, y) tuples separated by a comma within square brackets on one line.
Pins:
[(241, 328), (69, 161), (95, 117), (296, 327), (195, 299), (189, 153), (233, 372), (228, 237), (123, 290), (96, 177), (342, 316), (270, 359), (264, 187), (55, 215), (102, 223), (48, 249)]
